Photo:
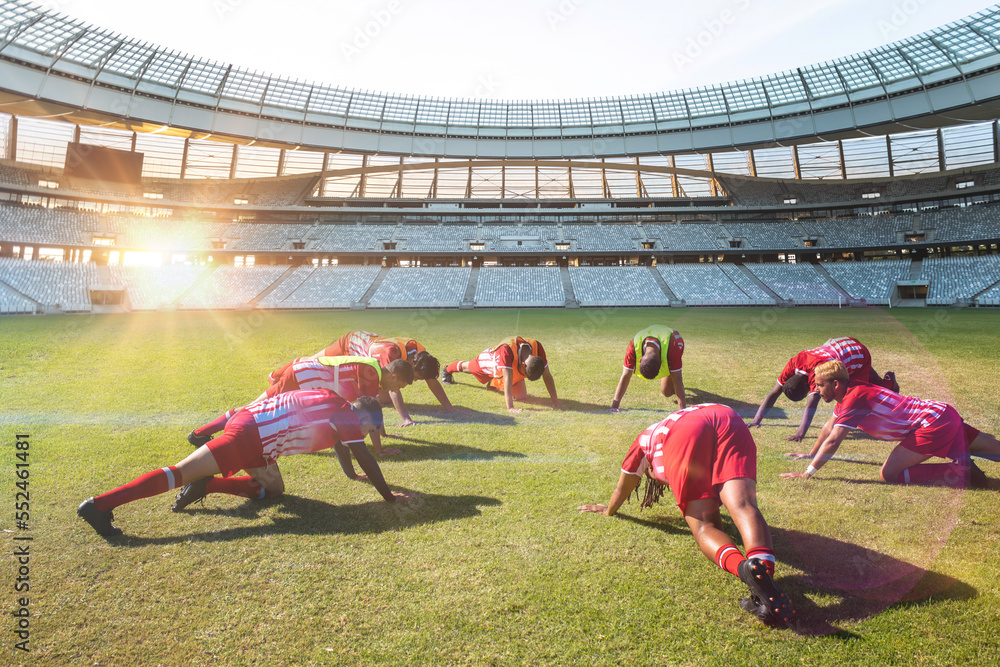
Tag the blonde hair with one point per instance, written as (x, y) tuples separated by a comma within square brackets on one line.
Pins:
[(831, 370)]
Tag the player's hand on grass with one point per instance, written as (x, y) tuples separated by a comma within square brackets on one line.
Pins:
[(597, 509), (361, 477), (407, 422), (754, 424), (513, 409), (556, 405), (797, 455), (405, 496), (794, 475), (615, 411), (796, 437), (390, 451)]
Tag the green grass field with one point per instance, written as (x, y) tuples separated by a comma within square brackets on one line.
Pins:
[(492, 564)]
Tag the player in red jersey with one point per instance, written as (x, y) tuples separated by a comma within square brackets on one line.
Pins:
[(796, 380), (298, 422), (386, 350), (707, 456), (348, 377), (926, 429), (506, 367), (661, 349)]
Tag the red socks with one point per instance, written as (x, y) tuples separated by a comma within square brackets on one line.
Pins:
[(765, 555), (151, 484), (454, 367), (245, 487), (952, 475), (215, 425), (728, 557)]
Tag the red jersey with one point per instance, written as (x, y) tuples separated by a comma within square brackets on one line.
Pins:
[(299, 422), (368, 344), (350, 380), (855, 357), (675, 350), (884, 414)]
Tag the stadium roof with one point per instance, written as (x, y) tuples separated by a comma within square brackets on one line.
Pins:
[(53, 65)]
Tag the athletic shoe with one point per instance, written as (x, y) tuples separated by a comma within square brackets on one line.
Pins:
[(766, 602), (192, 492), (446, 377), (977, 478), (198, 440), (891, 377), (98, 520)]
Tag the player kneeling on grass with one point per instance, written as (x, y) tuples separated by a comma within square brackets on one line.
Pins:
[(506, 367), (708, 457), (797, 379), (297, 422), (926, 429)]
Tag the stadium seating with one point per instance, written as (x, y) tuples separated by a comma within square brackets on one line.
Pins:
[(703, 285), (58, 285), (616, 286), (519, 286), (423, 287), (873, 281), (958, 279), (153, 287), (322, 287), (797, 282), (229, 287)]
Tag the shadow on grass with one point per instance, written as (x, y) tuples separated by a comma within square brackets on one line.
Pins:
[(294, 515), (463, 416), (569, 404), (862, 582), (742, 408), (428, 449)]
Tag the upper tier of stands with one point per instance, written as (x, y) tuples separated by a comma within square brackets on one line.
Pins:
[(60, 227), (31, 286)]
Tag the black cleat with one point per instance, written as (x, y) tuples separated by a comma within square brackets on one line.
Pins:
[(98, 520), (766, 602), (198, 440), (891, 377), (977, 478), (446, 377), (192, 492)]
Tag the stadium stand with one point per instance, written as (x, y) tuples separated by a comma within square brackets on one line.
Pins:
[(703, 285), (797, 282), (436, 238), (680, 237), (424, 287), (519, 286), (322, 287), (958, 279), (229, 287), (154, 287), (616, 286), (873, 281), (13, 303), (772, 235), (745, 283), (56, 285), (608, 238)]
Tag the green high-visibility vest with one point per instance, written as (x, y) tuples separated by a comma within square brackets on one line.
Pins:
[(660, 333)]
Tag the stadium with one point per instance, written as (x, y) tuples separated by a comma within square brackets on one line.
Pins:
[(871, 179), (175, 228)]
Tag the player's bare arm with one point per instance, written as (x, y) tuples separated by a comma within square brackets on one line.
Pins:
[(766, 405), (626, 485), (808, 413), (620, 389)]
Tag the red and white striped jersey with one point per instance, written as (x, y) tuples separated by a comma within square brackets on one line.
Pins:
[(848, 351), (304, 421), (884, 414)]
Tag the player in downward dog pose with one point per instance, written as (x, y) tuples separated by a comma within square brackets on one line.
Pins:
[(348, 377), (505, 368), (298, 422), (707, 456), (797, 382), (926, 429), (659, 350), (387, 350)]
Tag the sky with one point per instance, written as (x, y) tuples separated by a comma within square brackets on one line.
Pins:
[(518, 49)]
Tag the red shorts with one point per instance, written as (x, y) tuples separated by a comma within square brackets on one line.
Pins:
[(477, 370), (701, 457), (338, 348), (947, 438), (287, 382), (239, 447)]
